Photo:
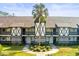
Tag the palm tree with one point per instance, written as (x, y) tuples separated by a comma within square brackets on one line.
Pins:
[(40, 13), (2, 13)]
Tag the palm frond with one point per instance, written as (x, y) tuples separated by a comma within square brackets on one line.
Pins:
[(40, 11)]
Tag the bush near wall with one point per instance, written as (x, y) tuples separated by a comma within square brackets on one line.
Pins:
[(43, 47)]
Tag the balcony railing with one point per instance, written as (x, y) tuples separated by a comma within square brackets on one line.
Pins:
[(73, 33), (31, 33), (5, 42), (55, 33), (28, 33), (51, 33), (48, 33), (5, 33)]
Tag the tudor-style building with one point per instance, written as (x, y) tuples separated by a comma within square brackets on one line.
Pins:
[(24, 29)]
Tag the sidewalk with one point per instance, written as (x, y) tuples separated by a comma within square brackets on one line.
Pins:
[(53, 50)]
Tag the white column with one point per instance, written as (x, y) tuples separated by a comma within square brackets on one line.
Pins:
[(42, 32), (37, 29)]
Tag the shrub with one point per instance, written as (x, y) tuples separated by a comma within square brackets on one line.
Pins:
[(77, 54), (40, 48), (48, 48)]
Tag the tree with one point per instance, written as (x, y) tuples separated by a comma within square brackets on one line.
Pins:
[(40, 13), (4, 13)]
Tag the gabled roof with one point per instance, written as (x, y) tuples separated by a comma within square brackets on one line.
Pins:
[(28, 21)]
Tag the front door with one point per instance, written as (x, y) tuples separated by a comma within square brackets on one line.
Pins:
[(54, 40), (78, 40), (23, 40)]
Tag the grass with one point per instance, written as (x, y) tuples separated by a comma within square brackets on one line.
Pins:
[(67, 51), (15, 51)]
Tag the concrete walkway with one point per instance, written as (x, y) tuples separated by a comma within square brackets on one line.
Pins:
[(53, 50)]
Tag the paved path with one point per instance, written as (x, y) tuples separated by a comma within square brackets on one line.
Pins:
[(53, 50)]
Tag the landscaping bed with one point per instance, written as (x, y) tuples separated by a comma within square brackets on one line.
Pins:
[(40, 47)]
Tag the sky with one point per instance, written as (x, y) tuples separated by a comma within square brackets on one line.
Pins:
[(54, 9)]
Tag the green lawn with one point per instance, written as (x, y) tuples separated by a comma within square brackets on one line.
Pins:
[(16, 53), (67, 51), (12, 50)]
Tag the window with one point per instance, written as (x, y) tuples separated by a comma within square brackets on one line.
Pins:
[(6, 29), (26, 29), (73, 30), (49, 30), (32, 29)]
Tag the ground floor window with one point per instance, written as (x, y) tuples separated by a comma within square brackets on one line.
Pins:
[(5, 39)]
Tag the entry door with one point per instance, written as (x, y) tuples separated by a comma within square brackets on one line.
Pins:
[(77, 39), (23, 40), (54, 40)]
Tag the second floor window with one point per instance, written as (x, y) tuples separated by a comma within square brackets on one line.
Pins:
[(73, 30)]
